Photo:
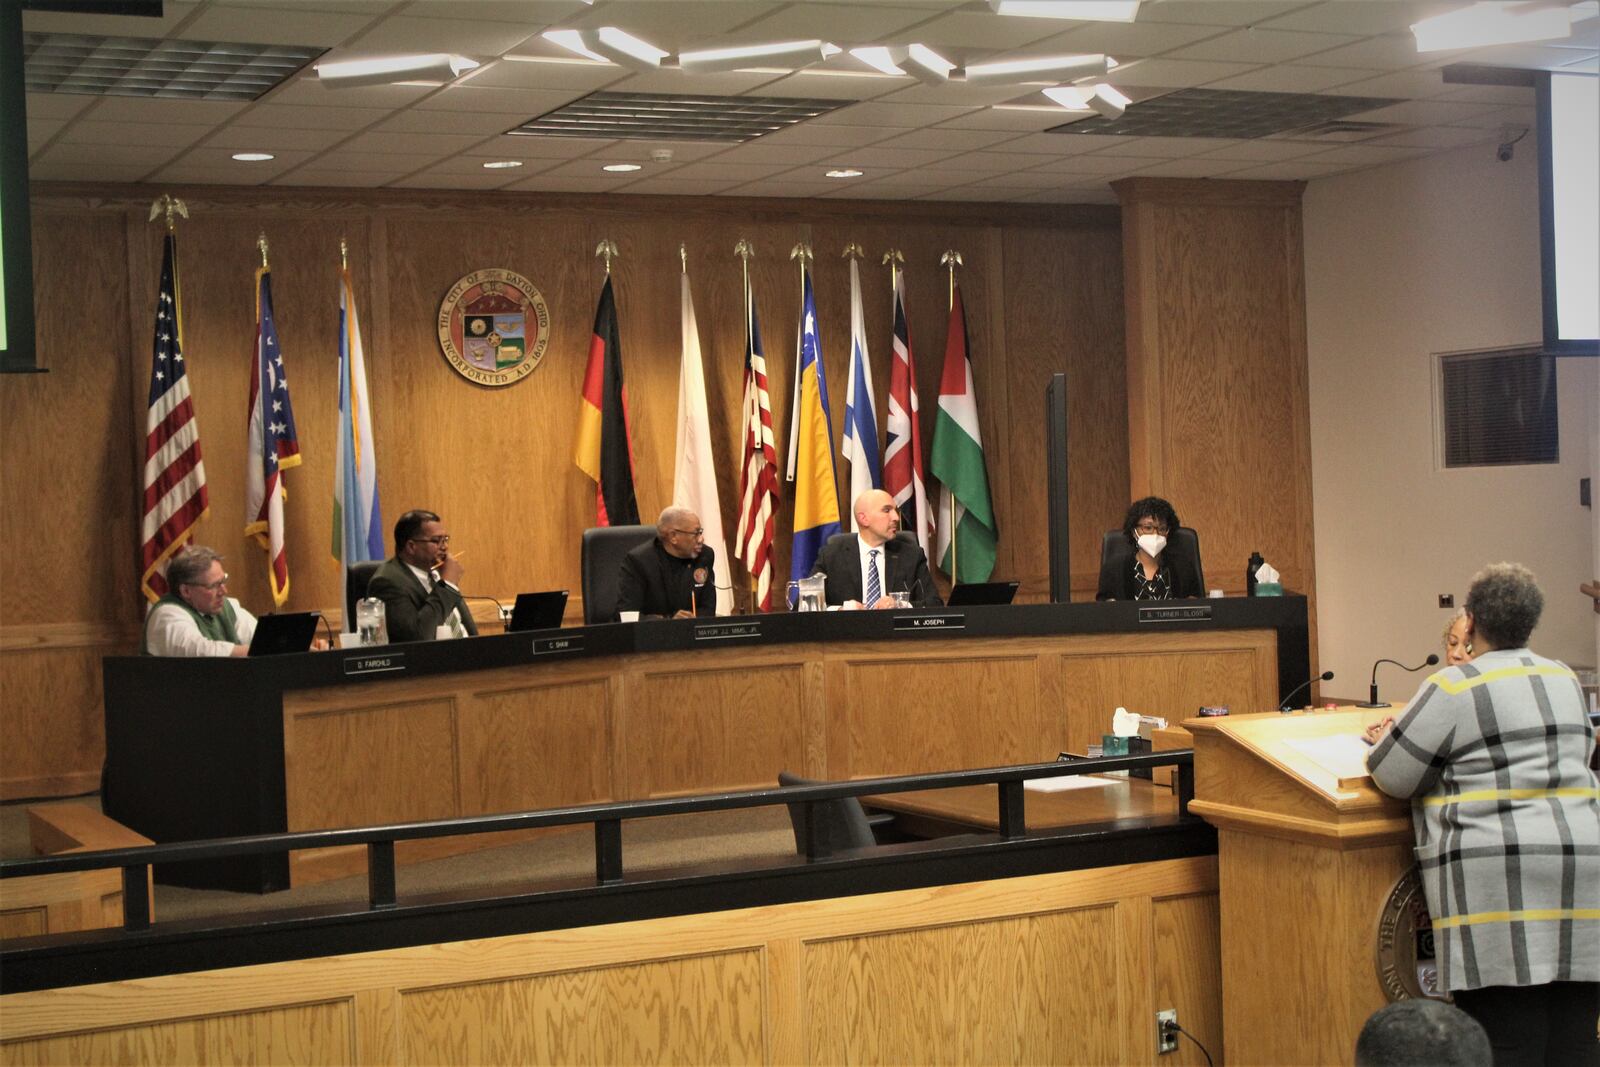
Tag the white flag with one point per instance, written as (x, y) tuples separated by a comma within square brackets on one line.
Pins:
[(694, 473)]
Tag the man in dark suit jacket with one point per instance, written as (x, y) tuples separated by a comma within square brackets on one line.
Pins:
[(673, 576), (421, 586), (901, 565)]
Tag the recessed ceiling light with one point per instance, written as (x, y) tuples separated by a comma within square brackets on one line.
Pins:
[(253, 157), (621, 168), (845, 172), (502, 164)]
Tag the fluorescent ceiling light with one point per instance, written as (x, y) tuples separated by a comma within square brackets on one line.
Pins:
[(390, 70), (1490, 24), (621, 168), (1106, 99), (928, 66), (844, 172), (794, 54), (1071, 97), (502, 164), (1085, 10), (253, 157), (1089, 66), (573, 41), (625, 48), (882, 58)]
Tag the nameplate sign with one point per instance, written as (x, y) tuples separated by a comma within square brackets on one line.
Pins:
[(1188, 613), (946, 621), (727, 631), (555, 646), (375, 663)]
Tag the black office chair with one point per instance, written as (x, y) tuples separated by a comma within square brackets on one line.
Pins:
[(904, 535), (357, 577), (1115, 551), (603, 549), (846, 824)]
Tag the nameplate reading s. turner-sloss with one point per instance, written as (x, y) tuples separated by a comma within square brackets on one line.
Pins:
[(946, 621), (375, 663), (1189, 613), (727, 631), (553, 646)]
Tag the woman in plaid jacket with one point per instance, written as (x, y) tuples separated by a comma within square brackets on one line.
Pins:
[(1494, 756)]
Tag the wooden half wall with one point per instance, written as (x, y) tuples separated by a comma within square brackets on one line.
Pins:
[(1055, 968)]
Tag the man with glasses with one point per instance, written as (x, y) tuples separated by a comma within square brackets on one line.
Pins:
[(421, 586), (197, 617), (673, 576)]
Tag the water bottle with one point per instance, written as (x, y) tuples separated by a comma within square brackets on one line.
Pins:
[(1250, 573), (371, 625)]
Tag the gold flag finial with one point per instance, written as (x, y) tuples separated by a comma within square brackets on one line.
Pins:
[(344, 254), (896, 261), (683, 256), (894, 255), (170, 206), (607, 248), (261, 243), (854, 251), (952, 260), (744, 249), (802, 252)]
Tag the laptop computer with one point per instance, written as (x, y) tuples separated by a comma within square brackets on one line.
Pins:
[(971, 593), (538, 611), (288, 631)]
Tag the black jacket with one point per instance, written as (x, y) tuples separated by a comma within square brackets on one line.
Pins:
[(905, 570), (411, 612), (653, 581), (1116, 571)]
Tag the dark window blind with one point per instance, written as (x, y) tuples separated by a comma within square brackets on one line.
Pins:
[(1499, 409)]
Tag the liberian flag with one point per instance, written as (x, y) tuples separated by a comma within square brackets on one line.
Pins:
[(860, 409), (694, 470), (903, 476), (816, 493), (272, 447), (357, 516), (758, 475), (968, 536), (604, 451)]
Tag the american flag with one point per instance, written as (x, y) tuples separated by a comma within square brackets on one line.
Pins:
[(273, 447), (175, 496), (902, 460), (758, 477)]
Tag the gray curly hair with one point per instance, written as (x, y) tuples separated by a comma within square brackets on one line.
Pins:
[(1505, 604), (190, 565)]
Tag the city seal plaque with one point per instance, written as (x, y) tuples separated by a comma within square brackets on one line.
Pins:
[(1407, 968), (493, 327)]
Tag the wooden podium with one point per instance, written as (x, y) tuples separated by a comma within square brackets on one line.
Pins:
[(1309, 851)]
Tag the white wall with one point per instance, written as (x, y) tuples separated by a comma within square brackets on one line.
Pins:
[(1402, 262)]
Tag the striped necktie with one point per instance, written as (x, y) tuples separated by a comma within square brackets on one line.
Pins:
[(874, 586)]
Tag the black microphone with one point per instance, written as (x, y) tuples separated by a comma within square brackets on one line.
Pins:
[(323, 619), (1325, 676), (504, 617), (1372, 694)]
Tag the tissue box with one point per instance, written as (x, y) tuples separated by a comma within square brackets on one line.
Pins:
[(1269, 589)]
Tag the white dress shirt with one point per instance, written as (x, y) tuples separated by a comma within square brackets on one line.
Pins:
[(454, 619), (171, 631)]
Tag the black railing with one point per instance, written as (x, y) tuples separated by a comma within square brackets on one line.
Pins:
[(607, 820)]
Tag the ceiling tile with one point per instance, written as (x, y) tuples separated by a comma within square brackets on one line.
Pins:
[(639, 151), (920, 179), (306, 91), (1016, 119), (520, 147), (946, 139), (578, 77), (355, 179), (729, 173), (590, 168), (148, 109), (464, 36), (518, 103), (474, 164), (831, 134), (1162, 147), (214, 160), (794, 190), (1437, 137), (1426, 113), (878, 191), (980, 194), (1189, 168), (1075, 195), (1135, 39), (145, 155), (1093, 164), (1498, 117), (83, 172), (290, 116), (878, 156), (428, 179), (1486, 94), (951, 95), (1255, 45), (1293, 171), (55, 105), (542, 183), (417, 121), (370, 8), (1394, 51), (681, 24), (402, 163), (1367, 153), (265, 139), (300, 24), (1217, 12), (1290, 78), (1266, 151), (1017, 179), (1419, 84), (904, 116), (197, 175), (834, 86), (982, 30), (842, 22), (1366, 19), (173, 12), (432, 144), (40, 131), (1059, 144), (672, 186), (521, 11), (777, 154), (992, 162), (167, 134), (731, 83), (1177, 73)]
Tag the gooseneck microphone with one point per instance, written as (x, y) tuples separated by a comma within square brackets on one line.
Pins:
[(504, 616), (327, 629), (1325, 676), (1372, 689)]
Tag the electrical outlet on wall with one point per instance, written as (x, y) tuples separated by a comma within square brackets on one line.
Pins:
[(1447, 600), (1167, 1031)]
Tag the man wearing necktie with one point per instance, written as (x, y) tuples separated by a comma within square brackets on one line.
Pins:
[(421, 585), (867, 568)]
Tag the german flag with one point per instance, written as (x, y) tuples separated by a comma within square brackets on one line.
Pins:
[(604, 451)]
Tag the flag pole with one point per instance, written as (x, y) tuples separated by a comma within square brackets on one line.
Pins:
[(607, 248), (744, 250), (951, 260)]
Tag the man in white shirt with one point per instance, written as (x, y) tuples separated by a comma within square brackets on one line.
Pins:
[(866, 569), (421, 586), (197, 617)]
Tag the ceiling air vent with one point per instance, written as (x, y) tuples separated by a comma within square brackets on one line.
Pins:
[(1340, 131), (675, 117), (1226, 113), (142, 66)]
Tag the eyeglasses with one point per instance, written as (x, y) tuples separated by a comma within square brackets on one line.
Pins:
[(698, 531), (210, 587), (1150, 528), (440, 541)]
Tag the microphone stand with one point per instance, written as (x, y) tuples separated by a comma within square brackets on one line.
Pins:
[(1372, 688), (1325, 676)]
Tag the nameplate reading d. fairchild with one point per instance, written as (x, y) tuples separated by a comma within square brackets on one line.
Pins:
[(554, 646), (1190, 613), (727, 631), (375, 663), (947, 621)]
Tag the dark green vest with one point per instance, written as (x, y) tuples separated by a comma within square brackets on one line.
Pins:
[(220, 627)]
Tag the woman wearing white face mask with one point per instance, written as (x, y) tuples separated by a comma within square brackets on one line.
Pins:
[(1148, 568)]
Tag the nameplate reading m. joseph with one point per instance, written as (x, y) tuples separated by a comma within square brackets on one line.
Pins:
[(375, 663), (493, 327), (925, 623)]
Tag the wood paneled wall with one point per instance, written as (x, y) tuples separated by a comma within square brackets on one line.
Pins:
[(1056, 968), (1042, 290)]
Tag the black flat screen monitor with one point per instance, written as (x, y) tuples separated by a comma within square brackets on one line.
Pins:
[(538, 611), (289, 631), (973, 593)]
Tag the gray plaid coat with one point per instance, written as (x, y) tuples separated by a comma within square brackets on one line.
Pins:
[(1494, 756)]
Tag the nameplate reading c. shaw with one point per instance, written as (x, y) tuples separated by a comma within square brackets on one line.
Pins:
[(375, 663), (1189, 613), (554, 646), (727, 631), (946, 621)]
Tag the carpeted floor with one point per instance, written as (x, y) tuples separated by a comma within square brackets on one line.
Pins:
[(653, 844)]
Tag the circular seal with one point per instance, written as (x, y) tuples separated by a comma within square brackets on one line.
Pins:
[(493, 327), (1406, 965), (699, 576)]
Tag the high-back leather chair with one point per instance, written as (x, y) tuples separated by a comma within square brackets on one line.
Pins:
[(603, 549), (357, 577), (844, 821), (1114, 549)]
